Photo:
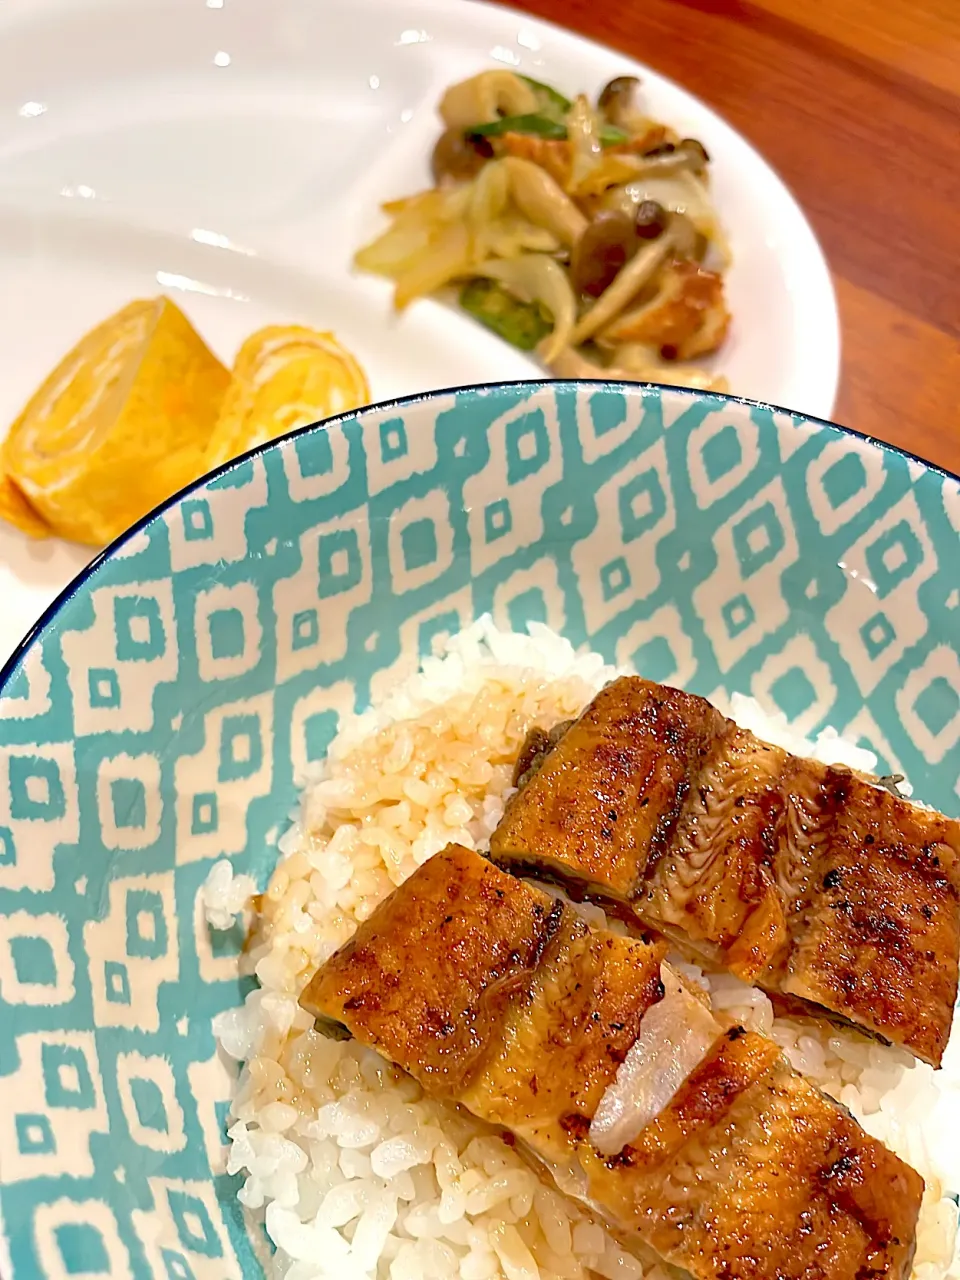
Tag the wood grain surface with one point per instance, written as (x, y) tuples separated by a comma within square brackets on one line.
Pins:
[(856, 103)]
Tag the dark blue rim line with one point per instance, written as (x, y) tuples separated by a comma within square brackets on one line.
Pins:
[(402, 402)]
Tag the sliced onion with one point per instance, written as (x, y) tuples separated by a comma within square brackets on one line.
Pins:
[(675, 374), (637, 357), (630, 366), (489, 194), (680, 192), (534, 277), (636, 361), (419, 229), (448, 256), (614, 168), (584, 134), (569, 363), (437, 203), (675, 1035), (512, 235), (663, 164), (392, 252)]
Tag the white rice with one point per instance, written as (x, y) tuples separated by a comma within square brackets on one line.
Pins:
[(225, 895), (356, 1173)]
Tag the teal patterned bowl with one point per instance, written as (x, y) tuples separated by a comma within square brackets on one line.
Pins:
[(157, 717)]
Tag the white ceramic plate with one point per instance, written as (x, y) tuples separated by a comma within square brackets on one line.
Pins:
[(233, 154)]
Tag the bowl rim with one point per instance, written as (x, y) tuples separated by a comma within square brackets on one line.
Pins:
[(46, 618)]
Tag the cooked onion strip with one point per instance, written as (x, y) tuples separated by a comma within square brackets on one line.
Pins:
[(675, 1034), (448, 257), (489, 195), (679, 192), (510, 236), (636, 360), (536, 278), (613, 169), (584, 135), (569, 363), (396, 247)]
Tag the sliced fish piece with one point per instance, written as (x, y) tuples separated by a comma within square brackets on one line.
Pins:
[(566, 1036), (488, 990), (715, 889), (874, 918), (751, 1173), (493, 995), (738, 852), (604, 802)]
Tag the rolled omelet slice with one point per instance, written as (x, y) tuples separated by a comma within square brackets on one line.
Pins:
[(16, 510), (285, 377), (123, 422)]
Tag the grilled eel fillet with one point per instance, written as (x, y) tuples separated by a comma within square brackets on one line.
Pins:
[(801, 878), (495, 996)]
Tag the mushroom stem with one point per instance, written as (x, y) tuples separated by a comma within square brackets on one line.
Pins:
[(625, 287), (543, 201)]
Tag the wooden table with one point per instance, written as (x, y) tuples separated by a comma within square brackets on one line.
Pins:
[(856, 103)]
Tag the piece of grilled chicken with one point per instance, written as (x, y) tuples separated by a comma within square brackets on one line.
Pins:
[(802, 878), (493, 995)]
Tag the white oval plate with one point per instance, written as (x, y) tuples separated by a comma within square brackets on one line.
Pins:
[(233, 153)]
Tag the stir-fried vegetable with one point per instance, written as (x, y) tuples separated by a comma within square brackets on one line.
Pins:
[(542, 127), (582, 231), (602, 251), (543, 201), (522, 324), (549, 100), (488, 96), (537, 278), (550, 120), (618, 102)]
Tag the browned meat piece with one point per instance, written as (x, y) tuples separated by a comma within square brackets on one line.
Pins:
[(537, 745), (767, 1175), (715, 889), (473, 981), (604, 802), (802, 878), (567, 1035), (489, 991), (687, 317), (490, 994), (873, 915), (430, 975)]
